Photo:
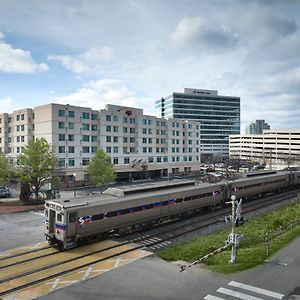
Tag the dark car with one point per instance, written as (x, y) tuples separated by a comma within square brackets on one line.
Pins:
[(4, 192)]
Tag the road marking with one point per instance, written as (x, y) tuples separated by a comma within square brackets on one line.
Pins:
[(41, 213), (237, 294), (210, 297), (256, 289)]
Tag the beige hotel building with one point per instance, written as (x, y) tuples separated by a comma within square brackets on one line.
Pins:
[(136, 143)]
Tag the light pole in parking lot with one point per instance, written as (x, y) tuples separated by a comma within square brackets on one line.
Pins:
[(74, 179)]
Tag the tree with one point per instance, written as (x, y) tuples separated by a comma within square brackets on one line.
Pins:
[(37, 164), (100, 170), (4, 169)]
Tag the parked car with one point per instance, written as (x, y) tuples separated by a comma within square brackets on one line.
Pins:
[(4, 192)]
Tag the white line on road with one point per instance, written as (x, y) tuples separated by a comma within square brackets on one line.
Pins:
[(210, 297), (237, 294), (256, 289)]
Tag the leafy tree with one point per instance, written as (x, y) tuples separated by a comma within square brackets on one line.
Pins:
[(100, 170), (4, 169), (36, 165)]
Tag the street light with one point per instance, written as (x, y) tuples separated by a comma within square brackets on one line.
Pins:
[(74, 179)]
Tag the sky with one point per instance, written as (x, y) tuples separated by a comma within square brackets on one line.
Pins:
[(133, 52)]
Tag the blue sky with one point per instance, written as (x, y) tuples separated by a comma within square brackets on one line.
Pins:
[(132, 52)]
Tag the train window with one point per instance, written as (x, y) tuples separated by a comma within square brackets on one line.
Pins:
[(157, 204), (72, 217), (47, 204), (59, 217), (138, 208), (124, 211), (112, 214), (46, 212), (179, 200), (165, 203), (97, 217), (173, 201), (148, 206)]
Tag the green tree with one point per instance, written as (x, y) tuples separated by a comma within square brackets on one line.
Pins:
[(100, 170), (37, 164), (4, 169)]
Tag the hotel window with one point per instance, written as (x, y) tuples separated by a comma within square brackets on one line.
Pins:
[(132, 130), (18, 139), (94, 138), (125, 120), (116, 129), (71, 149), (85, 149), (85, 126), (71, 125), (94, 117), (108, 118), (132, 140), (61, 149), (71, 137), (61, 137), (85, 115), (61, 125), (125, 140), (18, 128), (85, 138), (94, 127), (71, 114), (126, 160), (132, 120), (116, 139), (108, 128), (71, 162), (116, 149), (108, 149), (150, 159), (61, 162), (144, 149), (85, 161), (116, 118), (144, 131), (115, 161), (124, 129), (108, 139), (22, 127), (94, 149), (61, 113), (18, 118)]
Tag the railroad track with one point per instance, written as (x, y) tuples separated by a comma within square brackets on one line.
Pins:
[(37, 262)]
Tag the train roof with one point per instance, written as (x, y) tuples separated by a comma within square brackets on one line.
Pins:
[(124, 194)]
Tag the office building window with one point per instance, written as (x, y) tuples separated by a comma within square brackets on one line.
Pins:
[(125, 139), (108, 149), (116, 139), (144, 131), (108, 118), (18, 118), (132, 130), (108, 139), (22, 138), (115, 128), (116, 118), (126, 160), (94, 138), (61, 125), (22, 127), (71, 125), (94, 127), (115, 161), (71, 137), (94, 117), (125, 130), (150, 159), (125, 120), (116, 149), (132, 120), (18, 128), (108, 128), (132, 140)]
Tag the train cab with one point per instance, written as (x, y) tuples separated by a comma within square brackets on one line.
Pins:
[(55, 223)]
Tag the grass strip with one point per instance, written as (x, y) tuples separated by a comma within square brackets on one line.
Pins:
[(251, 251)]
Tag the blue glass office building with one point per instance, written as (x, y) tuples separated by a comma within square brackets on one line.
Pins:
[(219, 117)]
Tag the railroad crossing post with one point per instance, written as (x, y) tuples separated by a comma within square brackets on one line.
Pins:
[(233, 235)]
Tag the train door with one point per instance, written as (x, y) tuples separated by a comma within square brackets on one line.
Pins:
[(72, 224), (51, 221)]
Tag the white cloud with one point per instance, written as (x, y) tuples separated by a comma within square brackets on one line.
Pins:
[(191, 32), (96, 94), (18, 60), (86, 62), (1, 35)]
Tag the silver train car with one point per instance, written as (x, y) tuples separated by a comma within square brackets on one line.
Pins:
[(68, 223)]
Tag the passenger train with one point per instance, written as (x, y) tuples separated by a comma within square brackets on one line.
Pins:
[(68, 223)]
